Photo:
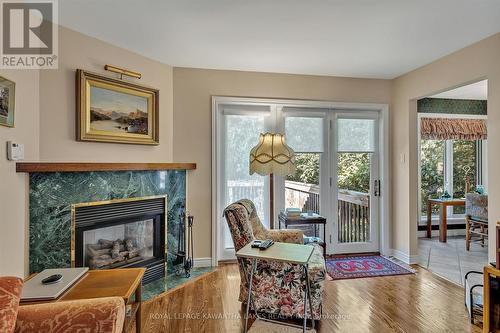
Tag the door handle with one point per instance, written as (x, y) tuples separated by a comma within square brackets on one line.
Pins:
[(376, 188)]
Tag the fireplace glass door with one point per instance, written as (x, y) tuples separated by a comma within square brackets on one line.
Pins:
[(118, 245)]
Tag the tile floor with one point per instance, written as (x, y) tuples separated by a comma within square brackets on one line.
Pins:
[(450, 260)]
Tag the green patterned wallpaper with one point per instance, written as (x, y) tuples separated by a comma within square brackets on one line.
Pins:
[(454, 106)]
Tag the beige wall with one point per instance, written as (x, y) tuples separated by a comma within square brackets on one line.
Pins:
[(45, 123), (13, 186), (45, 117), (476, 62), (193, 89), (57, 102)]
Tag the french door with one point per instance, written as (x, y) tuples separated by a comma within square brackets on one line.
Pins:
[(337, 160), (337, 174), (355, 189), (239, 129)]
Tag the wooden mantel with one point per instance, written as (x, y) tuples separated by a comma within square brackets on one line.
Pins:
[(88, 167)]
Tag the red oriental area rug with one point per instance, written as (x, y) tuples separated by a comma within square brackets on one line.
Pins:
[(353, 267)]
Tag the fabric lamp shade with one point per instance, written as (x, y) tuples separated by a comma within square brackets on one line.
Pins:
[(272, 156)]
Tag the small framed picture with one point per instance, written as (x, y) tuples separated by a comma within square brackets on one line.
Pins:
[(7, 102), (112, 110)]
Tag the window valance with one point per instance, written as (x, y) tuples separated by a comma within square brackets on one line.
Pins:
[(452, 129)]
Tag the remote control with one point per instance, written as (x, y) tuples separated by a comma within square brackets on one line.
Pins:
[(256, 243), (52, 279), (266, 244)]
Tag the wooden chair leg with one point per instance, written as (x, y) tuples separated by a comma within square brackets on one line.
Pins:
[(467, 233), (482, 235)]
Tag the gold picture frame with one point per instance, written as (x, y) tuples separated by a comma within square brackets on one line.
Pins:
[(7, 102), (113, 110)]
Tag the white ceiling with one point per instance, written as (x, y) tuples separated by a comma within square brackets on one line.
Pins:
[(356, 38), (478, 90)]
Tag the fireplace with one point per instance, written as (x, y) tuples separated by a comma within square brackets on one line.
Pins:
[(119, 234)]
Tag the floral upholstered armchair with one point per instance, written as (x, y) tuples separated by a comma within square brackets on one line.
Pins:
[(99, 315), (277, 288)]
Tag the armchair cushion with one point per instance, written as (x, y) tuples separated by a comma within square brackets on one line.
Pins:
[(261, 232), (98, 315), (10, 293), (295, 236), (476, 206)]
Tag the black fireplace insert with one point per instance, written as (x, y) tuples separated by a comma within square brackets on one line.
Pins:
[(121, 233)]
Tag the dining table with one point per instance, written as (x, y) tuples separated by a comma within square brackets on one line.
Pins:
[(443, 204)]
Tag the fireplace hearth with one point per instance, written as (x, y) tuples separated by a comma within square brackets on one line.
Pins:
[(119, 234)]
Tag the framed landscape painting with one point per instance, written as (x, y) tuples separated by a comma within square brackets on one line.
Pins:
[(112, 110), (7, 101)]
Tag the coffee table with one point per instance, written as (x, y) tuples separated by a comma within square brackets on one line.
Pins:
[(124, 283), (285, 252)]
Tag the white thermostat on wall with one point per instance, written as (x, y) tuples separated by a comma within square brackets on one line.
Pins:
[(15, 151)]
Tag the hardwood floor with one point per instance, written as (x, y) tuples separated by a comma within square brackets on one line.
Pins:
[(410, 303)]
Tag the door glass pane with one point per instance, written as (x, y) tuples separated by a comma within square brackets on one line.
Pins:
[(464, 157), (304, 134), (353, 182), (302, 189), (241, 133), (431, 173), (363, 130), (355, 146)]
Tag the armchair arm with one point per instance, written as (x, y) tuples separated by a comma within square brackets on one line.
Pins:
[(295, 236), (98, 315)]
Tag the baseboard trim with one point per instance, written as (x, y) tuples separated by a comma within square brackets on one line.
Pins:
[(435, 233), (449, 226), (202, 262), (404, 257)]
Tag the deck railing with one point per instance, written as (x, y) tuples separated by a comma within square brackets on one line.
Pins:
[(354, 216), (353, 209), (302, 195)]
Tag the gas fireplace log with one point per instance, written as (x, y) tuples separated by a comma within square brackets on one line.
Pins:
[(133, 253), (106, 244), (96, 253), (104, 261), (102, 257), (115, 251), (107, 253)]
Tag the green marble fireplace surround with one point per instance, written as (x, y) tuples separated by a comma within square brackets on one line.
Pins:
[(51, 195)]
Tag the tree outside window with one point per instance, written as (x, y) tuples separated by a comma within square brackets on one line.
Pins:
[(464, 156), (433, 170), (353, 170)]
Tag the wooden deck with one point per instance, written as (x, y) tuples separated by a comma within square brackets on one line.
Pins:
[(410, 303)]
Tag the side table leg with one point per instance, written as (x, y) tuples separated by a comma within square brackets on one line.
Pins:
[(308, 286), (429, 219), (249, 299), (324, 240), (138, 314), (305, 300), (443, 228)]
